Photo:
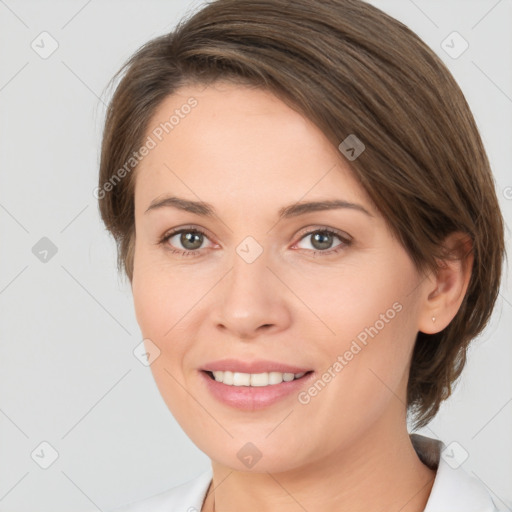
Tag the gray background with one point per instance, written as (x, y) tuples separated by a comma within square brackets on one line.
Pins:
[(68, 374)]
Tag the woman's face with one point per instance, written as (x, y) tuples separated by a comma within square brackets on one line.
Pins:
[(256, 282)]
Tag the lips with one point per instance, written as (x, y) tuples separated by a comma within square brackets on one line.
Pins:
[(253, 385), (258, 366)]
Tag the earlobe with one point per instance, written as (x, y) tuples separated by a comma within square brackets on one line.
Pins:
[(446, 289)]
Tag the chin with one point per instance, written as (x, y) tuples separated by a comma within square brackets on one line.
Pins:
[(257, 456)]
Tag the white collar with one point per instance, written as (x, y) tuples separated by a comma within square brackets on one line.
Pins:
[(454, 490)]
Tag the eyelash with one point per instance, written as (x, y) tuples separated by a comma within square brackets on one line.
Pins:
[(345, 241)]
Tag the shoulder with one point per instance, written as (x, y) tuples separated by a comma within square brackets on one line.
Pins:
[(187, 497), (454, 488)]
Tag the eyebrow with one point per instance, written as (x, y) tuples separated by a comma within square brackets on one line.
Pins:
[(207, 210)]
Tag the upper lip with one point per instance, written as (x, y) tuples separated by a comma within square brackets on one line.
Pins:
[(256, 366)]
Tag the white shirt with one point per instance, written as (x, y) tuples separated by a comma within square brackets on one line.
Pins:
[(454, 490)]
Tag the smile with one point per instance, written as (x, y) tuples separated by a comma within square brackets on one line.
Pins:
[(254, 379), (254, 391)]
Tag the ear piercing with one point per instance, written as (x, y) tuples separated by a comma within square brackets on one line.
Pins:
[(433, 319)]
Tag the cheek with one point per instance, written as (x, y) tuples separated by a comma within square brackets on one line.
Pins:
[(161, 314), (372, 318), (150, 309), (360, 381), (359, 301), (170, 305), (163, 295), (159, 321)]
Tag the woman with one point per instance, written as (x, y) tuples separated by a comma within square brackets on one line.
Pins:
[(307, 217)]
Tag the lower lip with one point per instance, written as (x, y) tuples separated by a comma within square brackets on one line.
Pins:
[(249, 398)]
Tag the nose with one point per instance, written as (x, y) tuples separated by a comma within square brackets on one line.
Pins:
[(251, 300)]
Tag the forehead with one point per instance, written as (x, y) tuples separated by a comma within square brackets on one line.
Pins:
[(243, 143)]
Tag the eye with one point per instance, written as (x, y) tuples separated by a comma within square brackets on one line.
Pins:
[(191, 239), (322, 241)]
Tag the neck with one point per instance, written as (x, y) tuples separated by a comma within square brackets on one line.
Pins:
[(379, 472)]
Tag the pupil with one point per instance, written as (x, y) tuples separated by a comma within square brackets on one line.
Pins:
[(324, 239), (187, 238)]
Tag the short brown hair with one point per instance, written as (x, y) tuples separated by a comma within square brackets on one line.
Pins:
[(351, 69)]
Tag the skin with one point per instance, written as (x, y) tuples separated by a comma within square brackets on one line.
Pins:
[(248, 154)]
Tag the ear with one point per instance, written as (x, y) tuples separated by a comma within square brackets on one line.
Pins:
[(445, 289)]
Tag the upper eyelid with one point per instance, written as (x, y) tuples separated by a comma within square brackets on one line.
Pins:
[(344, 237), (337, 232)]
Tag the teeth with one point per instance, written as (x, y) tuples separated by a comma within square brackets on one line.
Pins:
[(254, 379), (241, 379)]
